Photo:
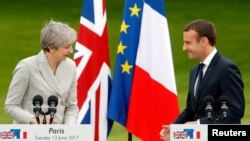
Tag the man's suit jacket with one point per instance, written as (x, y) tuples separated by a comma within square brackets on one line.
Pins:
[(33, 76), (222, 77)]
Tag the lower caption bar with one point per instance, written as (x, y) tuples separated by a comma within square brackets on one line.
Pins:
[(225, 131), (191, 132), (42, 132)]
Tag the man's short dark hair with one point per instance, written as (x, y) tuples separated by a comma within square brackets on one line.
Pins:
[(203, 28)]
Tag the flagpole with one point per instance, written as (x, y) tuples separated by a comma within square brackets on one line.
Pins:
[(129, 136)]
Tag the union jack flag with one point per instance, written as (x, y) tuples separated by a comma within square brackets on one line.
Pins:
[(93, 68), (7, 135), (180, 135)]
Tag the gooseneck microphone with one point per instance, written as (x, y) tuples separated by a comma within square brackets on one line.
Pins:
[(209, 101), (52, 102), (37, 102), (223, 101)]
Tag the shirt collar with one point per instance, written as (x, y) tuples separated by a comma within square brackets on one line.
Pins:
[(209, 58)]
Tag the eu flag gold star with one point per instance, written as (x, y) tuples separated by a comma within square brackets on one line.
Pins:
[(124, 27), (121, 48), (134, 10), (126, 67)]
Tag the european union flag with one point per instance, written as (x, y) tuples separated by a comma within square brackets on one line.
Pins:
[(125, 61)]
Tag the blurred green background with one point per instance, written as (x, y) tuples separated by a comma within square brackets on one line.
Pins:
[(22, 20)]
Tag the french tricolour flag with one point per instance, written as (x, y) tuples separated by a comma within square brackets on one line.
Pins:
[(144, 86)]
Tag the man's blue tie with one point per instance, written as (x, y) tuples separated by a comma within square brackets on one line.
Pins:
[(200, 75)]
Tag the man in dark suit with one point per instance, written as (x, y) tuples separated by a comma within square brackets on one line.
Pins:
[(217, 77)]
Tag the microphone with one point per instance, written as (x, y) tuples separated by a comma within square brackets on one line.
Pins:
[(209, 101), (223, 101), (52, 102), (37, 102)]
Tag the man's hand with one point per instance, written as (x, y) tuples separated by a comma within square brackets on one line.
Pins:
[(165, 133)]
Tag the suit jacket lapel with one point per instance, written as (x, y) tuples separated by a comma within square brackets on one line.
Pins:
[(62, 77), (193, 78), (47, 72), (208, 72)]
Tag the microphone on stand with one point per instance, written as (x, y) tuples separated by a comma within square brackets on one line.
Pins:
[(52, 102), (223, 101), (209, 101), (37, 102)]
